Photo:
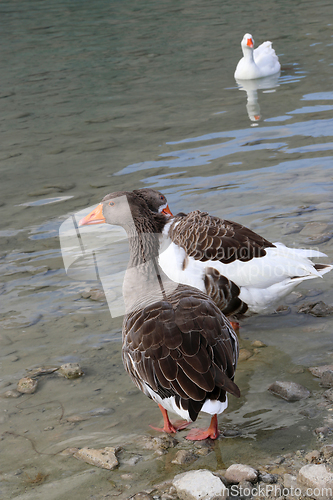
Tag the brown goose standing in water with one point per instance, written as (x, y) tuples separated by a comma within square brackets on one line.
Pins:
[(178, 347), (239, 269)]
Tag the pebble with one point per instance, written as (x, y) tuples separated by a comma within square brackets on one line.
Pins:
[(142, 496), (96, 294), (198, 485), (327, 450), (290, 391), (314, 229), (158, 443), (312, 456), (237, 473), (317, 371), (244, 354), (292, 228), (258, 343), (315, 476), (13, 393), (104, 458), (329, 394), (293, 297), (319, 309), (322, 431), (327, 379), (70, 370), (184, 457), (267, 477), (27, 385)]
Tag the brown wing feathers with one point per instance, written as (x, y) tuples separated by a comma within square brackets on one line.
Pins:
[(187, 350), (205, 237)]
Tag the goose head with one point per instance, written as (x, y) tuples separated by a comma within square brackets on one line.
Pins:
[(247, 44), (155, 200), (126, 209)]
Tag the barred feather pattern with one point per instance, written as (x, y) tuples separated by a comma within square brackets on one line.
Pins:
[(181, 347), (206, 237)]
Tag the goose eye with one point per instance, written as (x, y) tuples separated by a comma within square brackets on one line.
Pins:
[(111, 204)]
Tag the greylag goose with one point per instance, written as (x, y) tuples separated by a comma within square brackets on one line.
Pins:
[(239, 269), (178, 348)]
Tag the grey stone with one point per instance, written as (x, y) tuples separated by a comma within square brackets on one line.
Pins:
[(290, 391), (27, 385), (71, 370), (237, 473), (199, 485), (316, 476), (318, 309), (317, 371), (104, 458), (267, 477), (312, 456), (184, 457), (327, 379), (327, 450)]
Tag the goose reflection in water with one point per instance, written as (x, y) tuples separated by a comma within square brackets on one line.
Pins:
[(251, 87)]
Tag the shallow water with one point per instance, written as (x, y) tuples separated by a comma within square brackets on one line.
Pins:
[(121, 95)]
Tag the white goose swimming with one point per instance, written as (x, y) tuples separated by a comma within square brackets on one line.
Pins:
[(256, 63)]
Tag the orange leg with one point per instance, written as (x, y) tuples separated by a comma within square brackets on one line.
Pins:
[(235, 326), (199, 434), (168, 426)]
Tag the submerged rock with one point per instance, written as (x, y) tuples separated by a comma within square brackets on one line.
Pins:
[(319, 309), (290, 391), (317, 371), (327, 378), (104, 458), (199, 485), (27, 385), (184, 457), (237, 473), (71, 370)]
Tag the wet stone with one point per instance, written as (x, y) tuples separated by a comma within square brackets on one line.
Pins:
[(315, 476), (237, 473), (267, 477), (244, 354), (70, 370), (329, 395), (312, 456), (327, 450), (27, 385), (327, 378), (322, 431), (184, 457), (258, 343), (313, 229), (292, 228), (96, 294), (157, 443), (198, 485), (142, 496), (319, 309), (104, 458), (317, 371), (13, 393), (290, 391)]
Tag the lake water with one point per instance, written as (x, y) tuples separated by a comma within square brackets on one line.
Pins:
[(97, 97)]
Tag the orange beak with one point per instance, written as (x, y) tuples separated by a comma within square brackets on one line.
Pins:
[(95, 217), (249, 42), (167, 211)]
